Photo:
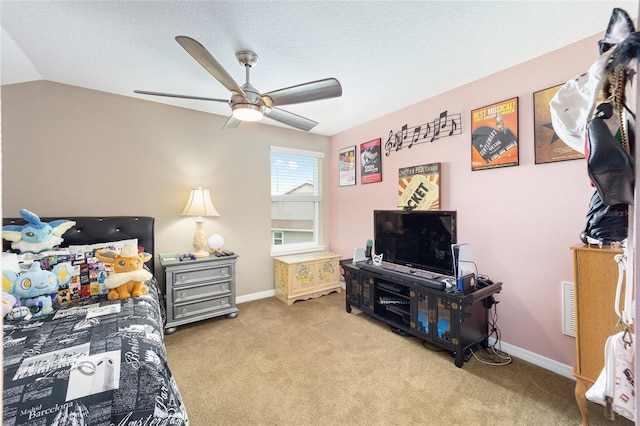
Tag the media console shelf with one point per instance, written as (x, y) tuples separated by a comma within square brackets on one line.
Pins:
[(453, 321)]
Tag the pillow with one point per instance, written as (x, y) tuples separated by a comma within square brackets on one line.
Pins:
[(91, 248), (48, 259), (87, 281)]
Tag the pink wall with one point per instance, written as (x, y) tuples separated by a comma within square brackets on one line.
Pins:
[(520, 220)]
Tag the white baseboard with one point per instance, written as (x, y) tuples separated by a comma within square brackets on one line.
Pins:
[(255, 296), (535, 359), (523, 354)]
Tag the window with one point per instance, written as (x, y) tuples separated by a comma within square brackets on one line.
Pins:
[(296, 198), (278, 238)]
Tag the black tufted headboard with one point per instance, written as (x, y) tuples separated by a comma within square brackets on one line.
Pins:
[(92, 230)]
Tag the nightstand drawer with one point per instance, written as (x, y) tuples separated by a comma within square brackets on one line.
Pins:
[(184, 293), (198, 275), (199, 308)]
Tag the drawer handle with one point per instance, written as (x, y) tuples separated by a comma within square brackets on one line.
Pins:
[(183, 294), (183, 278)]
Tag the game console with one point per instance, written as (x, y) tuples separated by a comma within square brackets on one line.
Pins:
[(464, 267)]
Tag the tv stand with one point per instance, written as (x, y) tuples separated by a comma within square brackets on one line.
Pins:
[(453, 321)]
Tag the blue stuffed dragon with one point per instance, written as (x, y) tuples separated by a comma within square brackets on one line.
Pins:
[(35, 236), (37, 288)]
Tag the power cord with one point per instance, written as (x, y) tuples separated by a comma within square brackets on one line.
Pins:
[(493, 355), (471, 262)]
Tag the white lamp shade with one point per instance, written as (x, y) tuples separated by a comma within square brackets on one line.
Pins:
[(215, 242), (199, 204)]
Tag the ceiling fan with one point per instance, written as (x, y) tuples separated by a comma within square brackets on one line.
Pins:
[(247, 104)]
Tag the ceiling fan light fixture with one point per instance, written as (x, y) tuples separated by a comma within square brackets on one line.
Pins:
[(247, 112)]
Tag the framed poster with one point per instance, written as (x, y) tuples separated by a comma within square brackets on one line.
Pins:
[(371, 161), (494, 135), (419, 187), (347, 165), (548, 145)]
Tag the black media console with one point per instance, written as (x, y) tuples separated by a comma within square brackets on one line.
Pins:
[(419, 306)]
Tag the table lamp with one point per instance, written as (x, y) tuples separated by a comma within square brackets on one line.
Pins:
[(199, 205)]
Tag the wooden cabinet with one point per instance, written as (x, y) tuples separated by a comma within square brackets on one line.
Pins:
[(595, 279), (199, 289), (306, 276)]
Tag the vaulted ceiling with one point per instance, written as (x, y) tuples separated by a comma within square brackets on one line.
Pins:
[(386, 54)]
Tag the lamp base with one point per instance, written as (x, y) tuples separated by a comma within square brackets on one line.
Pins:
[(201, 253), (199, 240)]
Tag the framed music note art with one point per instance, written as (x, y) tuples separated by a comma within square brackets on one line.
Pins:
[(444, 125), (549, 147), (494, 135), (371, 161), (347, 163)]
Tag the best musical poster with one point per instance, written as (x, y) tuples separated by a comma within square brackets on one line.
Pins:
[(494, 135)]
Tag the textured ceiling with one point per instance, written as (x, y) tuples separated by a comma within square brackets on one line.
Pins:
[(386, 54)]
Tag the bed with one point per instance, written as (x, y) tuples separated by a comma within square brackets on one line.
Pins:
[(94, 361)]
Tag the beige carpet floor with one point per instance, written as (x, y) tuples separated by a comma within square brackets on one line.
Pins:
[(312, 363)]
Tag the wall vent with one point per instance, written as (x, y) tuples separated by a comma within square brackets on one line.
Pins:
[(568, 310)]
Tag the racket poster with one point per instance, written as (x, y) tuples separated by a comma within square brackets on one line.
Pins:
[(419, 187), (371, 161), (548, 145), (494, 135), (347, 162)]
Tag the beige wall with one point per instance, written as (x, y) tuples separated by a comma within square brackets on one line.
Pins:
[(68, 151)]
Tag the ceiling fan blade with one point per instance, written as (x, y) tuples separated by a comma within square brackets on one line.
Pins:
[(306, 92), (171, 95), (290, 119), (204, 58), (231, 123)]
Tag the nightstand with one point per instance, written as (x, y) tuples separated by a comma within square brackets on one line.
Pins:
[(199, 289)]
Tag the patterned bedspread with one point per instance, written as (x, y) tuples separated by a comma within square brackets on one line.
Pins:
[(96, 362)]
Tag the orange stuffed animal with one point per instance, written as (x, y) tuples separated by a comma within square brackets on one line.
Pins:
[(128, 275)]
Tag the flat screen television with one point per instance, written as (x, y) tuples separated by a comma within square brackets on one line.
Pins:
[(417, 239)]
